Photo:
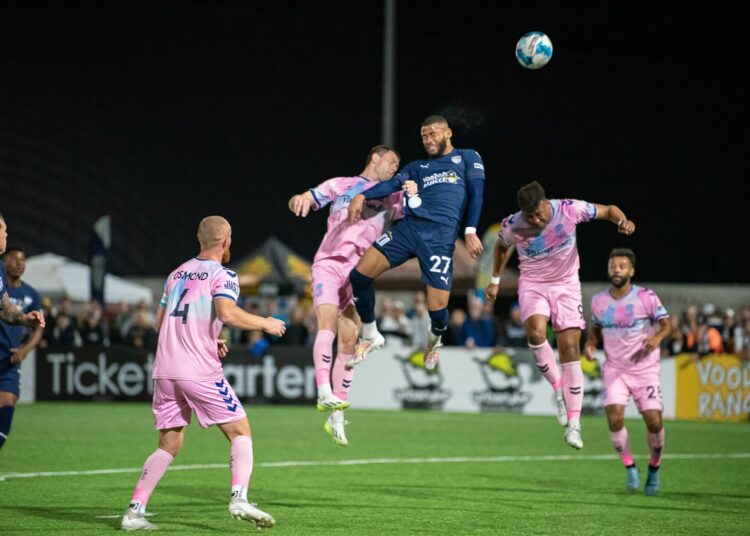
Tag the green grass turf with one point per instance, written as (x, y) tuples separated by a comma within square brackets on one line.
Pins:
[(579, 496)]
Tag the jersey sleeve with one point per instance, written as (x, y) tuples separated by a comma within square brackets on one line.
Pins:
[(225, 284), (506, 235), (653, 304), (406, 173), (595, 320), (578, 211), (325, 192), (474, 165)]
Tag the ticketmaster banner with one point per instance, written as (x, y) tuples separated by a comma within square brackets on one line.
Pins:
[(715, 387), (477, 380), (391, 378), (285, 376)]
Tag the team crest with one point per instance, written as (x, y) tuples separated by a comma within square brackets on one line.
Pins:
[(456, 159)]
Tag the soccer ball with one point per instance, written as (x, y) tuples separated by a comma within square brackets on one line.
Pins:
[(534, 50)]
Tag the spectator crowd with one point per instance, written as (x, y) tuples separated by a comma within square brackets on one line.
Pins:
[(699, 330)]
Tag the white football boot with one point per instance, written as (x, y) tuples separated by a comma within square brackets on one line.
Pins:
[(136, 521), (364, 348), (573, 435), (334, 426), (432, 355), (241, 509), (331, 402)]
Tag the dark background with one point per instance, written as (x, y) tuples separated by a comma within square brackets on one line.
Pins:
[(160, 113)]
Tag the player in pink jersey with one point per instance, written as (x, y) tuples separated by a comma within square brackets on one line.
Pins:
[(544, 233), (632, 322), (199, 297), (339, 251)]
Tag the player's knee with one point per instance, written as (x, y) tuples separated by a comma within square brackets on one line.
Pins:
[(536, 337), (359, 280), (654, 424), (568, 354), (616, 423)]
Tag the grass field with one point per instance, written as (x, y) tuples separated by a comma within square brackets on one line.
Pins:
[(404, 472)]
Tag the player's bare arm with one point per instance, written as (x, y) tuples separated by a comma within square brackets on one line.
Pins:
[(615, 215), (18, 355), (10, 314), (654, 341), (228, 312), (593, 340), (301, 204), (159, 320), (501, 255)]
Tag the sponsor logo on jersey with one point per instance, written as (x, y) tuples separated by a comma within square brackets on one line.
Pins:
[(442, 177), (477, 165)]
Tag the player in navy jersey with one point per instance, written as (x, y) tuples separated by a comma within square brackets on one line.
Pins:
[(448, 181), (13, 350)]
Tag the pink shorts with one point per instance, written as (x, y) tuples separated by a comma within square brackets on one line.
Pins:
[(644, 387), (213, 401), (560, 302), (331, 286)]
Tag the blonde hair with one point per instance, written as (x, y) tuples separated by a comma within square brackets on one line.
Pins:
[(212, 230)]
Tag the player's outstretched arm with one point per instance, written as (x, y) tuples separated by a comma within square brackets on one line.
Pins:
[(500, 256), (10, 314), (228, 312), (19, 354), (593, 339), (654, 341), (301, 204), (615, 215), (475, 189)]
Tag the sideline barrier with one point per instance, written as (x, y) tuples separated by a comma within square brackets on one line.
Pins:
[(713, 388)]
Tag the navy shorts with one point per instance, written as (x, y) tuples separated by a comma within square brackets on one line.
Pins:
[(431, 243), (10, 380)]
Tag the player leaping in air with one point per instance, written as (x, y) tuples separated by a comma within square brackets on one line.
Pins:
[(341, 248), (544, 233), (632, 322), (448, 181)]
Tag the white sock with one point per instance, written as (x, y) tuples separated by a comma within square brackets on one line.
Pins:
[(324, 389), (137, 507), (559, 394), (369, 330), (573, 422), (239, 492)]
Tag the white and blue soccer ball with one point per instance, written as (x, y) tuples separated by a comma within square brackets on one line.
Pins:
[(534, 50)]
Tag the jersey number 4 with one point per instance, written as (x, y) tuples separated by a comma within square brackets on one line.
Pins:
[(177, 312)]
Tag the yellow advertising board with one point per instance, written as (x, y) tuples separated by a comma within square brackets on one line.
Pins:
[(715, 387)]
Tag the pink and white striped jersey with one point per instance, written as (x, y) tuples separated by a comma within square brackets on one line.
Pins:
[(626, 323), (343, 241), (548, 255), (187, 348)]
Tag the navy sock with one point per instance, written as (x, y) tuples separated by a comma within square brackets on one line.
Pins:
[(364, 296), (439, 321), (6, 417)]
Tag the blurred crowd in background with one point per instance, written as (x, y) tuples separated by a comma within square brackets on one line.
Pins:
[(699, 329)]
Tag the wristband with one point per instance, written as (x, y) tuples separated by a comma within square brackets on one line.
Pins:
[(495, 280), (470, 230)]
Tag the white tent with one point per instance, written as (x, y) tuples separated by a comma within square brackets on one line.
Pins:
[(57, 276)]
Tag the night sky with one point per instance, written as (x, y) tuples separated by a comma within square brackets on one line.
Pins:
[(160, 113)]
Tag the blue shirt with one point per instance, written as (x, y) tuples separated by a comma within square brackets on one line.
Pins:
[(26, 299), (442, 184)]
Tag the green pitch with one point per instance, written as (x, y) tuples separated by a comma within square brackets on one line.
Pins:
[(436, 474)]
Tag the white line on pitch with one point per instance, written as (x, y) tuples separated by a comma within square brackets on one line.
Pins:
[(389, 461)]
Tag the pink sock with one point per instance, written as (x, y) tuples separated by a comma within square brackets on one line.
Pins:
[(619, 440), (241, 465), (154, 468), (655, 446), (544, 356), (342, 378), (323, 355), (572, 380)]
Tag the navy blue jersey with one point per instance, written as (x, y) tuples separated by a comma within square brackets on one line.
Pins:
[(26, 299), (442, 185)]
